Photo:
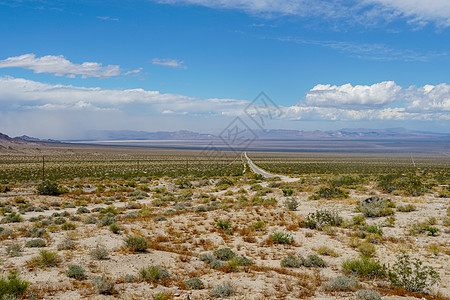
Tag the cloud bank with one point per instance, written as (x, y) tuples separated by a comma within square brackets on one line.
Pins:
[(58, 65), (75, 108)]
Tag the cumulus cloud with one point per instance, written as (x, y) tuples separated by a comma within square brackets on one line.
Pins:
[(361, 96), (60, 66), (368, 12), (74, 108), (168, 62)]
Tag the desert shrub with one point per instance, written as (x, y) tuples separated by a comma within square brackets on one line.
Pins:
[(410, 184), (223, 224), (411, 275), (342, 283), (47, 259), (243, 261), (103, 285), (68, 226), (322, 218), (327, 251), (136, 243), (90, 220), (154, 273), (35, 243), (83, 210), (14, 250), (314, 261), (207, 258), (291, 262), (12, 218), (160, 218), (195, 283), (49, 188), (35, 232), (200, 208), (59, 220), (115, 228), (364, 267), (222, 290), (4, 188), (99, 253), (287, 192), (367, 295), (258, 226), (76, 271), (406, 208), (67, 244), (424, 227), (224, 254), (345, 181), (376, 207), (224, 181), (282, 238), (291, 204), (329, 193), (12, 286), (366, 249), (129, 278), (107, 220)]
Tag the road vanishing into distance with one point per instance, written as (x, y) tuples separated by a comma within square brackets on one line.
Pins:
[(262, 172)]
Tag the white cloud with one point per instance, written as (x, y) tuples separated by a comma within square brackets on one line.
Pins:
[(60, 66), (368, 12), (30, 104), (359, 96), (107, 18), (168, 62)]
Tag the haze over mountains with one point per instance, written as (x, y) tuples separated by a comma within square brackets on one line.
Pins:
[(277, 134)]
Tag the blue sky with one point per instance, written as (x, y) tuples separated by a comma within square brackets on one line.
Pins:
[(71, 66)]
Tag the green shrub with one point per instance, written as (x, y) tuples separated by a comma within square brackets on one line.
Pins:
[(35, 243), (207, 258), (49, 188), (342, 283), (160, 218), (99, 253), (406, 208), (282, 238), (287, 192), (313, 261), (224, 225), (374, 207), (103, 285), (224, 254), (222, 291), (115, 228), (258, 226), (365, 267), (322, 218), (366, 249), (291, 262), (154, 273), (47, 259), (67, 244), (243, 261), (83, 210), (12, 218), (4, 188), (12, 286), (195, 283), (411, 275), (291, 204), (136, 243), (68, 226), (14, 250), (324, 250), (367, 295), (77, 272), (329, 193), (107, 221), (90, 220)]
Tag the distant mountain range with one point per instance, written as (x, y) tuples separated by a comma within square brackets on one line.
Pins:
[(271, 134), (275, 134)]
